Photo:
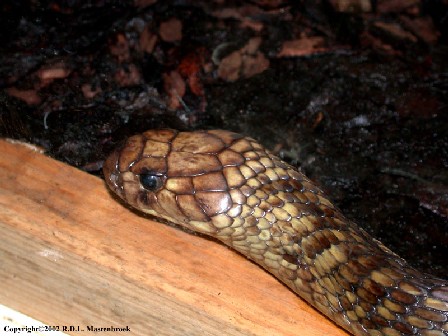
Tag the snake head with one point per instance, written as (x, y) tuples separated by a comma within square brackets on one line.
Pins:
[(177, 176), (230, 187)]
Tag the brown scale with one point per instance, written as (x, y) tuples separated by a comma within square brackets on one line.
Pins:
[(228, 186)]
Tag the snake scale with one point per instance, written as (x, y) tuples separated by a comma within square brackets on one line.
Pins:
[(230, 187)]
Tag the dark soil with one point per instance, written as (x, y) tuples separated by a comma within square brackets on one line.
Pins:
[(356, 97)]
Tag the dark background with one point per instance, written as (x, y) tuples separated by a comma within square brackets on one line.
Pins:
[(353, 92)]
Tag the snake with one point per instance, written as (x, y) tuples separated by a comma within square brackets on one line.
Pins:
[(228, 186)]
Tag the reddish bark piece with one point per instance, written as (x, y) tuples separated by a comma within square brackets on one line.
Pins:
[(422, 27), (28, 96), (230, 66), (302, 47), (370, 41), (350, 6), (395, 31), (246, 62), (171, 30), (190, 68), (396, 6), (175, 87)]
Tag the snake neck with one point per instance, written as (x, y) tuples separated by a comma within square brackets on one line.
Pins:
[(289, 227)]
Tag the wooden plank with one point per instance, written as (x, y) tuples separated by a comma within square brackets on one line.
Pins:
[(73, 256)]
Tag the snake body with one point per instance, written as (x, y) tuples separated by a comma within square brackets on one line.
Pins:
[(230, 187)]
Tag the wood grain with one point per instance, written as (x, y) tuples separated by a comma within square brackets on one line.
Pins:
[(73, 256)]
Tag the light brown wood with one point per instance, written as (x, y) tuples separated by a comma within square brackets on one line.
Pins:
[(73, 256)]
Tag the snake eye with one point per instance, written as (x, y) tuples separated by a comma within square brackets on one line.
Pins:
[(150, 182)]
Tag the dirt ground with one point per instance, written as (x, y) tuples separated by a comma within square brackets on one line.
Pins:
[(353, 92)]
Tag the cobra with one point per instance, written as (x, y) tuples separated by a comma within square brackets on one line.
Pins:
[(230, 187)]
